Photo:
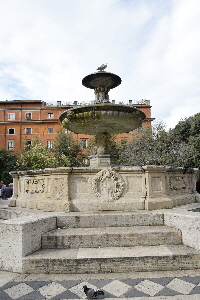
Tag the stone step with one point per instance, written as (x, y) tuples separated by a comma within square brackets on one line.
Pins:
[(110, 219), (112, 259), (111, 237)]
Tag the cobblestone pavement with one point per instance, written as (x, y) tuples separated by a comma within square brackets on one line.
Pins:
[(181, 285)]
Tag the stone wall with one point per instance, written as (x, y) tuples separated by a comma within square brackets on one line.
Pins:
[(119, 188)]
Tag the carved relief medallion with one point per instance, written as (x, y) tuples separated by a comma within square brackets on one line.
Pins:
[(108, 185)]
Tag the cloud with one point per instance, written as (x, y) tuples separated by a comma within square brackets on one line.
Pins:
[(48, 46)]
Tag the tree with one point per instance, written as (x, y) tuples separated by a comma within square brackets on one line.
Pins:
[(194, 140), (155, 147), (67, 150), (7, 164), (188, 130), (183, 129), (36, 156)]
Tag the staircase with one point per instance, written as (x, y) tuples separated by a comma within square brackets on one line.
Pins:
[(111, 242)]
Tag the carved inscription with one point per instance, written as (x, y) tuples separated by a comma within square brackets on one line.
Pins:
[(108, 185), (33, 186)]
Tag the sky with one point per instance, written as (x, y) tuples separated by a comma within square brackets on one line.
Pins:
[(48, 46)]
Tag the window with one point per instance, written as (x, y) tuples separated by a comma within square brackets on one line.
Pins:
[(50, 115), (28, 130), (67, 131), (10, 144), (11, 130), (49, 144), (84, 144), (140, 129), (27, 144), (11, 116), (28, 116), (50, 130)]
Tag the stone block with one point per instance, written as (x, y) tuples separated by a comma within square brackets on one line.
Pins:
[(21, 236), (189, 224), (12, 203)]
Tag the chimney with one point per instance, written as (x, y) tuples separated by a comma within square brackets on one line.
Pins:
[(58, 103), (130, 102), (113, 101), (75, 103)]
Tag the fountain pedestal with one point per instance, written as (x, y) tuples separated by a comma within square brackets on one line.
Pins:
[(103, 161)]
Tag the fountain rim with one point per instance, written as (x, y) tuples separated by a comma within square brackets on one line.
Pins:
[(102, 107), (86, 81)]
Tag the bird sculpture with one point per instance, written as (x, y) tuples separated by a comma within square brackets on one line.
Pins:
[(102, 67), (92, 294)]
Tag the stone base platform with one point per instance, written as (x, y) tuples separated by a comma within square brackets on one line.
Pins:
[(107, 189)]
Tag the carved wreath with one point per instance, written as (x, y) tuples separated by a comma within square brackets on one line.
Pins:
[(108, 185)]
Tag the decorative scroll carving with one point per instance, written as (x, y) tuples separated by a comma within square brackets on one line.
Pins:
[(108, 185), (33, 186)]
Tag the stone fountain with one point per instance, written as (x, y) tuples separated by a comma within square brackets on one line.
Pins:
[(102, 118), (103, 186)]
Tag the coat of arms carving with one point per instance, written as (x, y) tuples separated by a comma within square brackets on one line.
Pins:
[(108, 185)]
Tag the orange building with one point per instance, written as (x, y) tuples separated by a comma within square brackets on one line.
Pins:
[(22, 120)]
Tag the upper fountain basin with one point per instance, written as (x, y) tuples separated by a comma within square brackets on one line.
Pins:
[(103, 117), (101, 79)]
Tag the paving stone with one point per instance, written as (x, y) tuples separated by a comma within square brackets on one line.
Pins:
[(148, 287), (51, 290), (117, 288), (181, 286), (19, 290)]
